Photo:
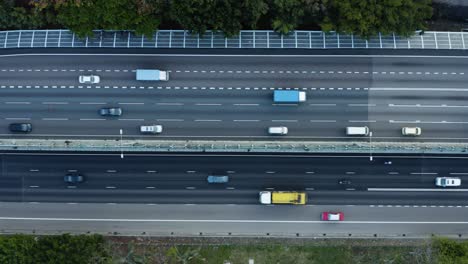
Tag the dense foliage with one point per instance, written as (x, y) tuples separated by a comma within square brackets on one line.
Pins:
[(64, 249), (362, 17)]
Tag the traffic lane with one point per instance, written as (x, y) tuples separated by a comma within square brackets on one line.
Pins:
[(100, 61), (309, 166), (243, 181), (233, 220), (222, 212), (255, 129), (235, 196)]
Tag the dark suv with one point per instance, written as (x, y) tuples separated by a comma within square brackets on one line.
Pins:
[(21, 127), (110, 111), (73, 178)]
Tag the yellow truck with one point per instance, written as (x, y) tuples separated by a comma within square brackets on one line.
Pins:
[(283, 197)]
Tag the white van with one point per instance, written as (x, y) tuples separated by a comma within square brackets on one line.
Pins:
[(357, 131), (151, 129), (278, 130), (447, 181)]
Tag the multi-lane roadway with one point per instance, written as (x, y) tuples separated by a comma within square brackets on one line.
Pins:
[(182, 178), (230, 97)]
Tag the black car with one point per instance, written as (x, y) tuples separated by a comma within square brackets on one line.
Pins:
[(344, 182), (21, 127), (110, 111), (73, 178)]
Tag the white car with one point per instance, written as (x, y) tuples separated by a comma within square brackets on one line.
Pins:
[(151, 129), (278, 130), (411, 131), (93, 79), (447, 181)]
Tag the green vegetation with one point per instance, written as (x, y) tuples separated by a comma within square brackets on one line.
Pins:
[(64, 249), (95, 249), (362, 17), (368, 18)]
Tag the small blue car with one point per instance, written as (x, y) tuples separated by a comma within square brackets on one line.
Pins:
[(217, 179)]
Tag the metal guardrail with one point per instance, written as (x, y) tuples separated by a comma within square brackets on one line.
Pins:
[(246, 39), (129, 146)]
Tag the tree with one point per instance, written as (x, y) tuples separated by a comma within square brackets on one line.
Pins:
[(184, 255), (17, 17), (228, 16), (369, 17), (287, 15), (83, 16)]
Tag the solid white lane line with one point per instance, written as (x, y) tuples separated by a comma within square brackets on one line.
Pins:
[(415, 190), (54, 119), (366, 105), (131, 119), (131, 103), (362, 121), (17, 118), (143, 220), (421, 89), (246, 104), (92, 103), (208, 104), (54, 103), (424, 173), (427, 122), (169, 103), (207, 120), (430, 106), (170, 120), (323, 121), (284, 120), (17, 102), (322, 104)]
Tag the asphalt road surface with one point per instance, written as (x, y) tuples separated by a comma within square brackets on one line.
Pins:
[(234, 220), (230, 97), (182, 178)]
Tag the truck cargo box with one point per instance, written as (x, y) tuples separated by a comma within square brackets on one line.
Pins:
[(289, 96), (151, 75)]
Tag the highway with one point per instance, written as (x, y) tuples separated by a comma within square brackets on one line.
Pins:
[(230, 97), (232, 220), (181, 178)]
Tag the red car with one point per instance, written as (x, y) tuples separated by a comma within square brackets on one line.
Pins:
[(332, 216)]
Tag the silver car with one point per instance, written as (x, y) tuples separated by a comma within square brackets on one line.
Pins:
[(91, 79), (151, 129)]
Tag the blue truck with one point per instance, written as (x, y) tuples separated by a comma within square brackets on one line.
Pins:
[(151, 75), (289, 96)]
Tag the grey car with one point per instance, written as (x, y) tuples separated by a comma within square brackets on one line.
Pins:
[(110, 111), (217, 179), (20, 127), (73, 178)]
